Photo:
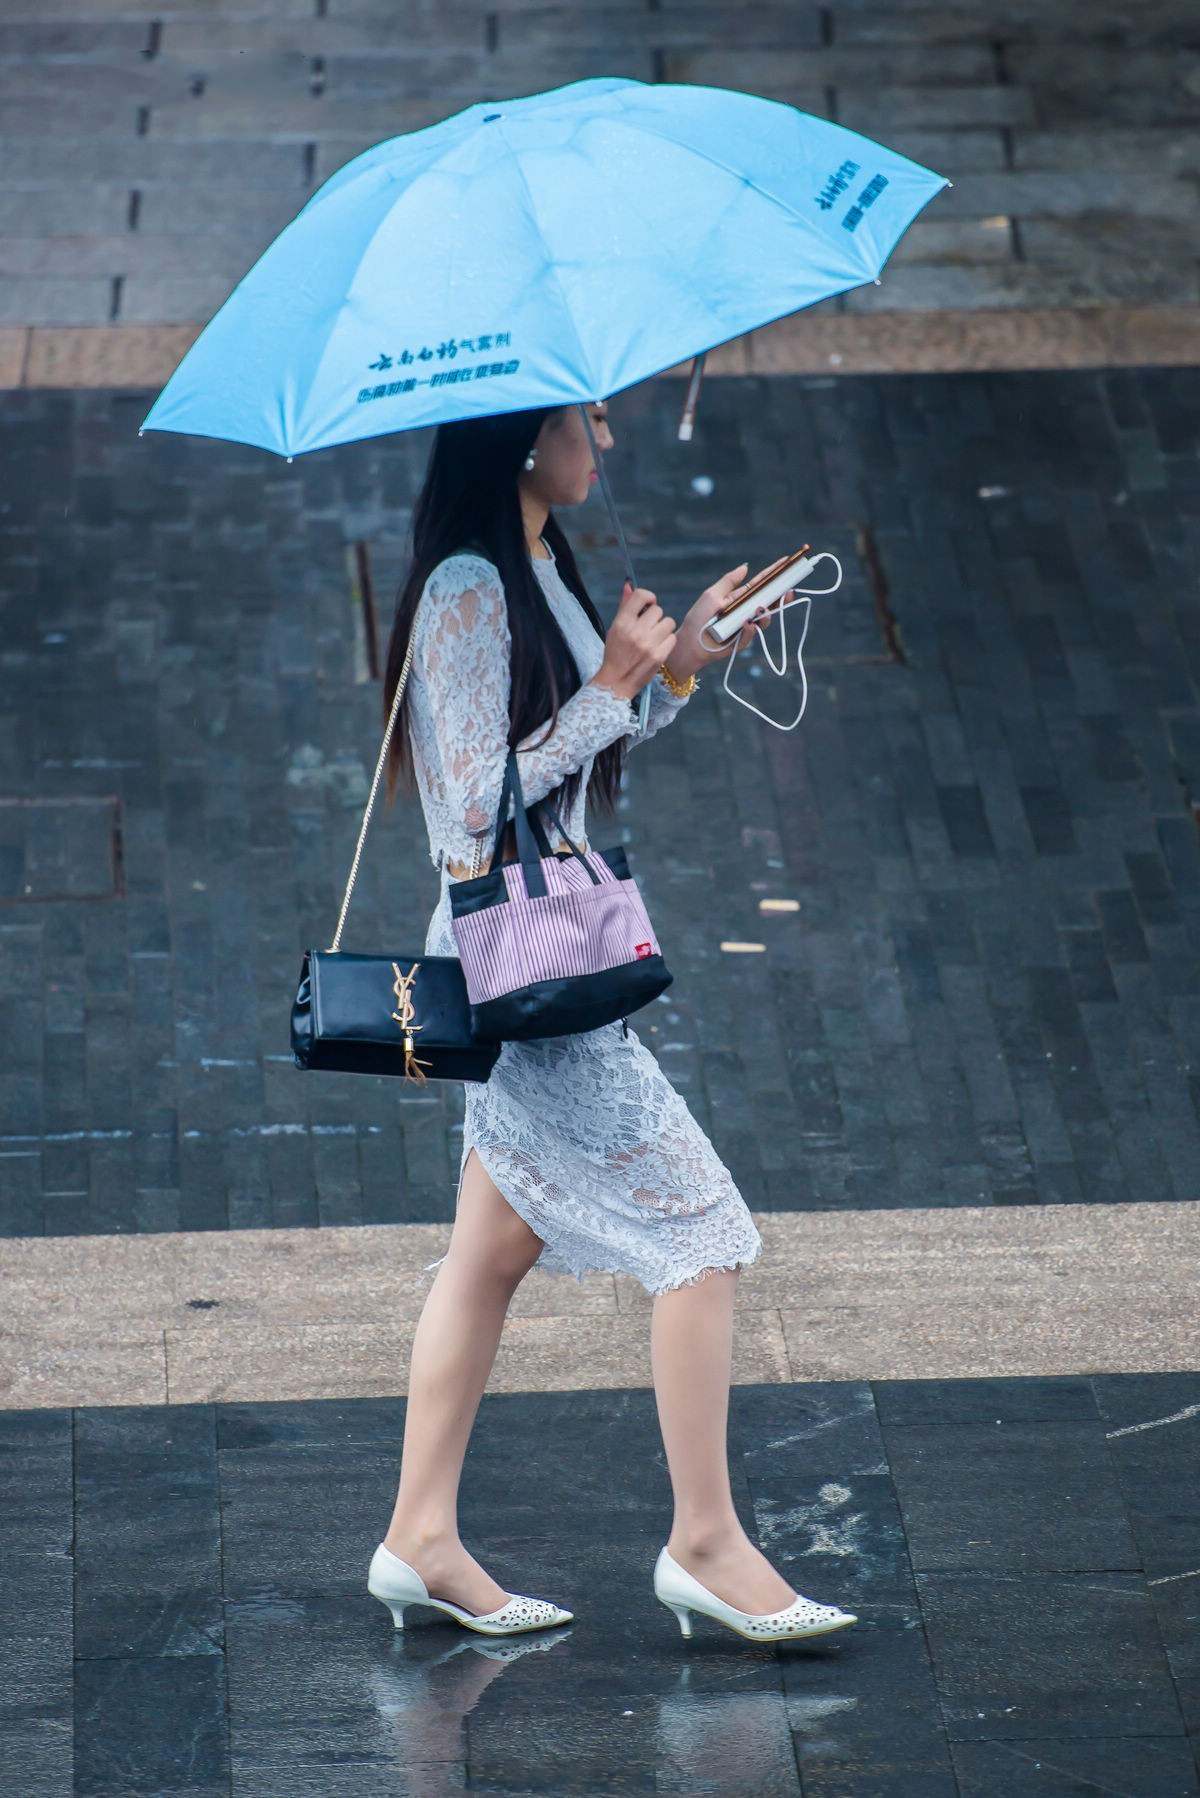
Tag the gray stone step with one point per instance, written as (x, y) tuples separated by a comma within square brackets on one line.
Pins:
[(1161, 149), (948, 287), (1069, 193), (143, 161), (777, 70)]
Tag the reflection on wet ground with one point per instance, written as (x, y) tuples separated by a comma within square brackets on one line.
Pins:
[(186, 1587), (694, 1737)]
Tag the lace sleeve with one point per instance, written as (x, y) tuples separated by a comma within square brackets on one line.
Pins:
[(461, 658), (664, 706)]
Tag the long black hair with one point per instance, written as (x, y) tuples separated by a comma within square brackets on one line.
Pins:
[(469, 501)]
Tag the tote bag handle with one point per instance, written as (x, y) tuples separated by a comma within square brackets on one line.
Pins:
[(532, 842)]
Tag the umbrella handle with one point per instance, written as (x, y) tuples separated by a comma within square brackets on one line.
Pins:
[(626, 558), (687, 419)]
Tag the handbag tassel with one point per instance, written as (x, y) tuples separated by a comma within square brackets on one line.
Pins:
[(402, 987)]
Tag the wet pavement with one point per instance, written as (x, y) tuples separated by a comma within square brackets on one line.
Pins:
[(988, 995), (989, 990), (1017, 1553)]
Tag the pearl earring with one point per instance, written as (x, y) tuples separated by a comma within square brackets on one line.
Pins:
[(529, 460)]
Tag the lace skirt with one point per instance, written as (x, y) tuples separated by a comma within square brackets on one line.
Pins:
[(591, 1144)]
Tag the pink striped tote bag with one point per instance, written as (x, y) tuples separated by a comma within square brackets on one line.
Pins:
[(556, 941)]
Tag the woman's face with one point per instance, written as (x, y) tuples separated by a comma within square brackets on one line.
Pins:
[(564, 469)]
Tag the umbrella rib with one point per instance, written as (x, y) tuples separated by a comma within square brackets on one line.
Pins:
[(533, 213), (736, 174), (377, 226)]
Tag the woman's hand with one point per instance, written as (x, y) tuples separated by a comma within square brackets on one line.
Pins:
[(640, 639), (690, 656)]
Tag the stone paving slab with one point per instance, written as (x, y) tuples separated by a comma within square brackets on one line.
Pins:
[(782, 71), (39, 168), (1089, 281), (183, 1600), (94, 357), (171, 257), (274, 1314), (63, 210), (13, 346), (1115, 147)]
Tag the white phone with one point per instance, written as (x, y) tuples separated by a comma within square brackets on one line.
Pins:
[(763, 591)]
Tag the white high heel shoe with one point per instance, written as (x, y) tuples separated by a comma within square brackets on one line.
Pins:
[(682, 1593), (394, 1583)]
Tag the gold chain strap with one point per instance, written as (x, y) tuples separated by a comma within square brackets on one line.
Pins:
[(380, 765), (370, 807)]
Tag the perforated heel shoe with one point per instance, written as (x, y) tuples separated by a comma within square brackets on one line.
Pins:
[(394, 1583), (682, 1593)]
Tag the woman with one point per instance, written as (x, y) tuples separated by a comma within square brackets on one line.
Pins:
[(577, 1152)]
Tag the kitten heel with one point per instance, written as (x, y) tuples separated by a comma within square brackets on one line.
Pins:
[(397, 1585), (684, 1616), (682, 1593)]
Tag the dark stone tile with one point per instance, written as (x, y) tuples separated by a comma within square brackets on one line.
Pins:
[(154, 1725), (1137, 1768), (1177, 1609), (304, 1423), (1017, 1497), (966, 821), (623, 1638), (1037, 1400), (720, 1743), (1049, 818), (35, 1482), (36, 1705), (1019, 1658), (147, 1533), (1157, 1459), (867, 1720), (327, 1697), (265, 1554), (317, 1703), (806, 1429), (605, 1465), (592, 1744), (838, 1541), (1123, 937), (1136, 1399)]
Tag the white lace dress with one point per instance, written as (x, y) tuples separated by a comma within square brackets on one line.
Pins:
[(583, 1134)]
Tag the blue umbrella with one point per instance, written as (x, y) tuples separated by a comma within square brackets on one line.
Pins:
[(536, 252), (539, 252)]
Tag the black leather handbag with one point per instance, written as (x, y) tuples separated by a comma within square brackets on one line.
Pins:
[(407, 1015)]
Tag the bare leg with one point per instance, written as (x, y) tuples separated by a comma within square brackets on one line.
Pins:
[(491, 1250), (691, 1350)]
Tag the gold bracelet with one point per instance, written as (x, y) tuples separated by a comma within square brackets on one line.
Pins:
[(681, 689)]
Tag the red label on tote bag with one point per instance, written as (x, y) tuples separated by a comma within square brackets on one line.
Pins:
[(643, 950)]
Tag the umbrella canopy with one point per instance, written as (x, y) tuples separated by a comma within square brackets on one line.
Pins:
[(538, 252)]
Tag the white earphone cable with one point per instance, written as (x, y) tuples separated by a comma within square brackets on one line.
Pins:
[(801, 596)]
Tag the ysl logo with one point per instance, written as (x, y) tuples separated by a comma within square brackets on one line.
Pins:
[(402, 988)]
